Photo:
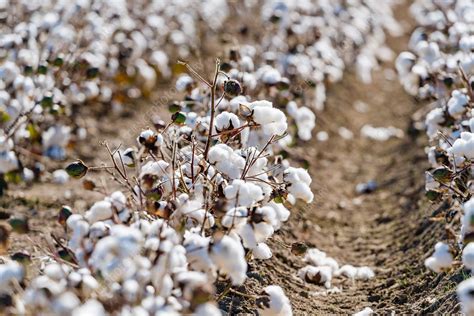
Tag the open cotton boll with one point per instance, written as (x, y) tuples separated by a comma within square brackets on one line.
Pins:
[(60, 176), (364, 273), (465, 292), (457, 103), (262, 251), (464, 146), (235, 217), (226, 121), (299, 181), (440, 259), (10, 272), (150, 139), (155, 168), (90, 307), (433, 120), (365, 312), (304, 118), (467, 221), (100, 211), (242, 193), (319, 258), (348, 271), (65, 303), (468, 256), (281, 214), (8, 159), (274, 303), (226, 161), (229, 256), (184, 82), (381, 133), (316, 275), (207, 309), (405, 62), (272, 121)]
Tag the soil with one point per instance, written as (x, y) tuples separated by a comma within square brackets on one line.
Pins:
[(389, 230)]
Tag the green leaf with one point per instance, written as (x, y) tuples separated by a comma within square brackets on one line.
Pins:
[(42, 69), (433, 195), (174, 107), (19, 225), (178, 118), (58, 62), (4, 117), (442, 174), (279, 199), (47, 102), (77, 169), (92, 72)]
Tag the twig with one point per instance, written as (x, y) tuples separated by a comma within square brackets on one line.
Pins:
[(213, 110)]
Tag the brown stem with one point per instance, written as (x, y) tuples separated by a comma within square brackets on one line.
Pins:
[(213, 110)]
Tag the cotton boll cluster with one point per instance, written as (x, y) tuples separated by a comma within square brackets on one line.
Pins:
[(440, 259), (321, 269)]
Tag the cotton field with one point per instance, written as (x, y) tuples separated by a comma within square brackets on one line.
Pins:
[(216, 157)]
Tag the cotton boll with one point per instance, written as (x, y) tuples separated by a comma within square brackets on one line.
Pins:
[(90, 307), (440, 259), (272, 121), (468, 256), (99, 211), (464, 146), (262, 252), (207, 309), (226, 121), (281, 214), (226, 161), (348, 271), (457, 103), (184, 82), (365, 312), (150, 139), (304, 118), (274, 303), (235, 217), (54, 140), (405, 62), (242, 193), (60, 176), (65, 303), (316, 275), (319, 258), (299, 181), (433, 120), (9, 272), (364, 273), (228, 255)]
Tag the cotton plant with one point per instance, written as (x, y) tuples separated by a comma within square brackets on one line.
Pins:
[(439, 67), (199, 209), (53, 64)]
